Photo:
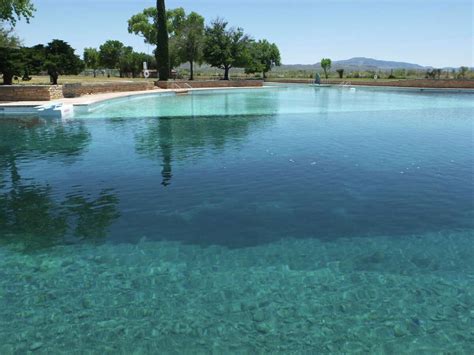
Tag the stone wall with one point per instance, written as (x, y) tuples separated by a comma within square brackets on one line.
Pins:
[(30, 92), (208, 84), (76, 90)]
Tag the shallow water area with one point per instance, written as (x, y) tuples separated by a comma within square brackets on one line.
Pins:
[(405, 295), (275, 220)]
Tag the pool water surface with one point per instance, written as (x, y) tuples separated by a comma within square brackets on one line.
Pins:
[(265, 220)]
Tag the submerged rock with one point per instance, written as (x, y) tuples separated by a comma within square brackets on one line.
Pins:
[(36, 346), (258, 316), (263, 328)]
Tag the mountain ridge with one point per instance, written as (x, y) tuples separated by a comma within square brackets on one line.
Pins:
[(358, 63)]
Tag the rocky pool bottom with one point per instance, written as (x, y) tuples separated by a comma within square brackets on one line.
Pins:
[(412, 294)]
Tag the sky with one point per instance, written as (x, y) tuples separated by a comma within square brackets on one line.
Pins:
[(435, 33)]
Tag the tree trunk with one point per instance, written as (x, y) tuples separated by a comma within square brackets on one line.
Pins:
[(95, 73), (162, 49), (264, 75), (191, 69), (226, 73), (54, 78), (7, 79)]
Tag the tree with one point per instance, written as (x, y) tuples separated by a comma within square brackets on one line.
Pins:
[(35, 57), (430, 74), (60, 60), (132, 62), (145, 23), (264, 56), (8, 38), (13, 10), (11, 56), (226, 48), (92, 59), (340, 72), (162, 48), (185, 33), (326, 65), (11, 63), (463, 72), (110, 53), (190, 40), (126, 60)]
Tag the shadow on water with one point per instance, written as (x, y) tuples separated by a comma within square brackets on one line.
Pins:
[(31, 216)]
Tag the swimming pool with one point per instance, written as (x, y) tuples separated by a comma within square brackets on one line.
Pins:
[(271, 220)]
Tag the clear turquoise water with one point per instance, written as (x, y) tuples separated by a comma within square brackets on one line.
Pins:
[(275, 220)]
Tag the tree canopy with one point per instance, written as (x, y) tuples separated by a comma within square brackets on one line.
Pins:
[(92, 59), (11, 58), (326, 65), (190, 40), (110, 53), (61, 59), (264, 56), (13, 10), (226, 48), (145, 23), (185, 34), (11, 63)]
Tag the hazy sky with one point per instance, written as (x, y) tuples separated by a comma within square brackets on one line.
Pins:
[(428, 32)]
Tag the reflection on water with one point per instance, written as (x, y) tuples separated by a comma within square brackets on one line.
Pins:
[(29, 213), (240, 180), (169, 139)]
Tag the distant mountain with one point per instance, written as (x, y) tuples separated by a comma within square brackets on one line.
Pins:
[(357, 63), (375, 63)]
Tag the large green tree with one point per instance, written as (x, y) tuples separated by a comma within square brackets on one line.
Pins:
[(131, 62), (92, 59), (11, 63), (35, 57), (11, 56), (185, 32), (264, 56), (162, 48), (13, 10), (145, 24), (110, 53), (326, 65), (8, 38), (226, 48), (190, 40), (61, 59)]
